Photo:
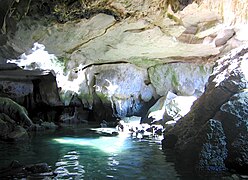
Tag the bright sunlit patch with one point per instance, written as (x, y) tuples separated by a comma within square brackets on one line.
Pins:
[(38, 58), (106, 144)]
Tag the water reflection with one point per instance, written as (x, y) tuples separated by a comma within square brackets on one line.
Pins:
[(119, 157), (69, 166), (90, 156)]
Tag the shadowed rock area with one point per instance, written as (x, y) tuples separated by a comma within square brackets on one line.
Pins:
[(211, 136)]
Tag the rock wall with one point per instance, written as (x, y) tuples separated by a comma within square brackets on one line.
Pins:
[(35, 90), (123, 89), (212, 135)]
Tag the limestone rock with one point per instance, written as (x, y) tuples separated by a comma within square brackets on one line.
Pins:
[(120, 88), (19, 84), (19, 133), (214, 150), (15, 111), (38, 168), (10, 131), (109, 38), (5, 126), (178, 107), (234, 115), (223, 102), (223, 37), (33, 171), (169, 108), (180, 78), (156, 112)]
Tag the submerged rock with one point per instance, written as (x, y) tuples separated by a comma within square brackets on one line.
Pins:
[(31, 171), (224, 101)]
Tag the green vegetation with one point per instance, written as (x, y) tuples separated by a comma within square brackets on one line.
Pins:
[(63, 61), (72, 10), (104, 98), (174, 79)]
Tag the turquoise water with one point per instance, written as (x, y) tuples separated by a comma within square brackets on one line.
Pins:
[(84, 154)]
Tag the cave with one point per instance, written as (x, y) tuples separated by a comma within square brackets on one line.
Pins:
[(122, 89)]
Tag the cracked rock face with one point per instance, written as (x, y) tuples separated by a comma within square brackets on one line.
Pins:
[(119, 87), (224, 101)]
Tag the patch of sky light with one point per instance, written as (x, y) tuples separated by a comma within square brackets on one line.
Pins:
[(39, 58)]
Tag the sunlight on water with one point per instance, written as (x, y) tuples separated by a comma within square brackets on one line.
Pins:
[(105, 144)]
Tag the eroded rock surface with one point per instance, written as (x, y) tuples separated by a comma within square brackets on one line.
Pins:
[(222, 101)]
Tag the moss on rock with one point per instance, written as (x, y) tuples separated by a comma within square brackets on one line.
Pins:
[(15, 111)]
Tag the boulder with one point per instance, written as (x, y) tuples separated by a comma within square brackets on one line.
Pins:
[(5, 126), (15, 111), (19, 133), (14, 121), (10, 131), (38, 168), (184, 79), (222, 104), (168, 108), (223, 37), (178, 107), (17, 170), (233, 115)]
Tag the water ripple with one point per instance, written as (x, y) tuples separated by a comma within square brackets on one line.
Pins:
[(69, 167)]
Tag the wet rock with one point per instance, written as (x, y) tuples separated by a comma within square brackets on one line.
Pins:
[(16, 170), (234, 115), (15, 111), (10, 130), (19, 133), (6, 125), (49, 125), (38, 168), (223, 101), (8, 66)]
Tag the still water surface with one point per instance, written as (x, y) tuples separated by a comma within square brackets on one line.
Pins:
[(84, 154)]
